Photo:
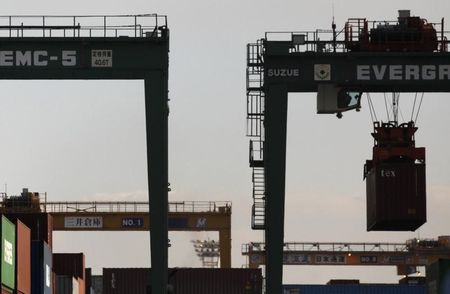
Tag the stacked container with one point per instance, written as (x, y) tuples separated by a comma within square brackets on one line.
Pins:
[(354, 289), (67, 285), (185, 281), (88, 280), (23, 258), (41, 268), (438, 277), (8, 263), (40, 224), (395, 180), (96, 284), (70, 265)]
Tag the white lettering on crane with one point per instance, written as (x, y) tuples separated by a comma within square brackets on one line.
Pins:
[(41, 58), (395, 72)]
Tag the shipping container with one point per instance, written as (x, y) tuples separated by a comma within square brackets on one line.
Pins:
[(97, 284), (438, 277), (23, 258), (342, 282), (66, 285), (40, 224), (6, 291), (8, 256), (69, 264), (82, 287), (185, 280), (41, 268), (87, 280), (355, 289), (396, 196), (120, 280)]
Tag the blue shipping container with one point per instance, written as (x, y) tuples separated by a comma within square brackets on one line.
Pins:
[(355, 289), (41, 268)]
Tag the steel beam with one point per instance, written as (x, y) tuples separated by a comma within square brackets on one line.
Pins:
[(275, 170), (157, 112)]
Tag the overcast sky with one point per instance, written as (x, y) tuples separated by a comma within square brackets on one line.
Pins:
[(85, 140)]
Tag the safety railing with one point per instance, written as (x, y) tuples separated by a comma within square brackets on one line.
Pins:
[(143, 25), (310, 41), (326, 41), (330, 247), (95, 206)]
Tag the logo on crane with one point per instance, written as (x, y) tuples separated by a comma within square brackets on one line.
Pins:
[(322, 72)]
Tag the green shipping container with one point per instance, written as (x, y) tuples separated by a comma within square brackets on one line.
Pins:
[(8, 267)]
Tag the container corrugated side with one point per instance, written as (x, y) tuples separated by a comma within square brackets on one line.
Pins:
[(120, 280), (185, 281), (69, 264), (41, 268), (87, 280), (82, 286), (40, 224), (354, 289), (23, 258), (97, 284), (396, 196), (8, 263), (438, 277), (218, 281), (66, 285)]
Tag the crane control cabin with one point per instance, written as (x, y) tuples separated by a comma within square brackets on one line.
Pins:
[(407, 55)]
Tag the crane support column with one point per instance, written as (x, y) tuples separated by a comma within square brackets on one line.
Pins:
[(225, 248), (275, 170), (156, 109)]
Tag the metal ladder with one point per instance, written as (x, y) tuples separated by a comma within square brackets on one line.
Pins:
[(255, 130)]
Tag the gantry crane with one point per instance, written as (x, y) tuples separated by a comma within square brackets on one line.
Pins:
[(338, 65), (405, 256), (128, 216)]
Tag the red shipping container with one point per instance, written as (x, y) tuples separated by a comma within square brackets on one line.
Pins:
[(23, 258), (396, 196), (185, 281), (40, 224)]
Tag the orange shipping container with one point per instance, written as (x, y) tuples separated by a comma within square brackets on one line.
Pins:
[(23, 258)]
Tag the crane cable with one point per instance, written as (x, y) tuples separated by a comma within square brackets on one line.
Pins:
[(387, 109), (418, 109), (371, 108), (395, 107), (414, 107)]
